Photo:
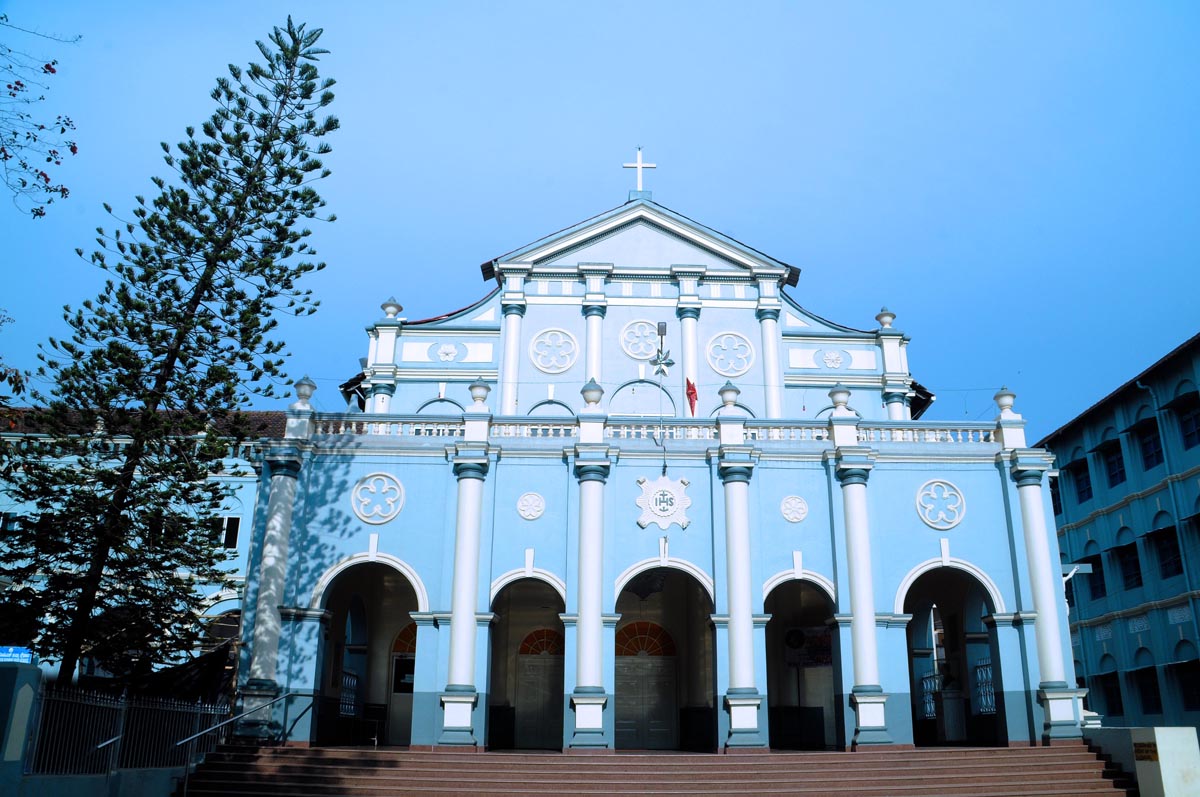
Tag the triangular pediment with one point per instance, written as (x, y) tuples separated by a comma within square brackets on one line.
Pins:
[(642, 244), (642, 235)]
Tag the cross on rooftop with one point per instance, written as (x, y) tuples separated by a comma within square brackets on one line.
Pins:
[(639, 166)]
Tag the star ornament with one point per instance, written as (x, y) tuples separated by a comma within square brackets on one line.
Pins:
[(661, 362)]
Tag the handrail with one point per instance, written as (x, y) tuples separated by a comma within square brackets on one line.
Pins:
[(235, 719), (116, 738)]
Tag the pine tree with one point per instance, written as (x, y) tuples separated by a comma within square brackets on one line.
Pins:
[(144, 396)]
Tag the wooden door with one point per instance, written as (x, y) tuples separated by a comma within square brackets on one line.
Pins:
[(647, 716)]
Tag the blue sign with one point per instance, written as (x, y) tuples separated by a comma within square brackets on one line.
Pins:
[(16, 654)]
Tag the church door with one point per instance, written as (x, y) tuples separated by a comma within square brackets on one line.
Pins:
[(539, 705), (647, 718), (400, 701)]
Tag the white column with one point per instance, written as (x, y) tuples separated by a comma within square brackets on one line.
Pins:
[(594, 313), (589, 697), (466, 573), (737, 553), (381, 398), (511, 365), (590, 626), (895, 405), (272, 572), (862, 589), (1042, 578), (768, 320), (688, 318)]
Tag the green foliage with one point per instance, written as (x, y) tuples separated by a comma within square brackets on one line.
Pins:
[(145, 394)]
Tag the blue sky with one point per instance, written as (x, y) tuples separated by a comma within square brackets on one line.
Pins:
[(1018, 181)]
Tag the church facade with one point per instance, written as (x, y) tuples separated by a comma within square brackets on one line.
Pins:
[(639, 497)]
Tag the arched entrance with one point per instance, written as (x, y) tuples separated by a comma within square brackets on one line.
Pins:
[(954, 674), (366, 677), (525, 700), (665, 675), (802, 706)]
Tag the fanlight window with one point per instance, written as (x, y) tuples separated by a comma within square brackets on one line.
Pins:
[(542, 641), (644, 638)]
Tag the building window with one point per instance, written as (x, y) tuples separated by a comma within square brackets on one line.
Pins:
[(1083, 482), (1146, 680), (1130, 564), (1109, 685), (1189, 425), (1187, 679), (1151, 445), (1055, 497), (1166, 550), (1095, 579), (225, 529), (1114, 464), (1069, 589)]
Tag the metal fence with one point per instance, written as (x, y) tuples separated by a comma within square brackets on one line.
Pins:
[(81, 733), (985, 689)]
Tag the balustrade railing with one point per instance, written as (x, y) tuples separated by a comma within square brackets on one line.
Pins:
[(907, 432), (349, 705), (388, 427)]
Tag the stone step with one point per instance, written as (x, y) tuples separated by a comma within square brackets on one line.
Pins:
[(1057, 771)]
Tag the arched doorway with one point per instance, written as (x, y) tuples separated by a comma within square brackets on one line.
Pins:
[(665, 675), (801, 688), (361, 699), (525, 700), (954, 673)]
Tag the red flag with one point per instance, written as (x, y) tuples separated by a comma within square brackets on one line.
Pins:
[(692, 395)]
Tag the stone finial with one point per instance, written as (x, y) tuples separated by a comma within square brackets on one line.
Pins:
[(729, 393), (885, 317), (1004, 399), (391, 308), (305, 388), (479, 392), (592, 393), (839, 394)]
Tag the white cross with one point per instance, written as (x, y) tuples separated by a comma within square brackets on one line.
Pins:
[(639, 166)]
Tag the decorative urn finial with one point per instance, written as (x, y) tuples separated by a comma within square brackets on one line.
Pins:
[(391, 308)]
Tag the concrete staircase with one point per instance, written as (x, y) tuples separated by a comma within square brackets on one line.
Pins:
[(981, 772)]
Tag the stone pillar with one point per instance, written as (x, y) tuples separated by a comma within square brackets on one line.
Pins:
[(735, 467), (688, 318), (768, 319), (897, 403), (1060, 701), (896, 379), (594, 315), (853, 468), (470, 468), (511, 364), (381, 398), (459, 699), (592, 466), (284, 465)]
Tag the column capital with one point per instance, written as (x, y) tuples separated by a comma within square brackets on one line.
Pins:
[(853, 464), (471, 460), (513, 308), (895, 397), (1027, 466), (687, 311), (736, 463), (592, 309), (765, 313), (592, 462), (284, 461), (386, 388)]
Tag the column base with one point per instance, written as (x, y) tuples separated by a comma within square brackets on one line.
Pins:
[(259, 725), (870, 716), (743, 706), (588, 703), (1060, 706), (458, 709)]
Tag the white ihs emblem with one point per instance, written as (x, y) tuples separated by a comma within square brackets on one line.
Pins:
[(664, 502)]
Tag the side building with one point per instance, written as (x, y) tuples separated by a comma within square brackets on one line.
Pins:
[(1127, 506)]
